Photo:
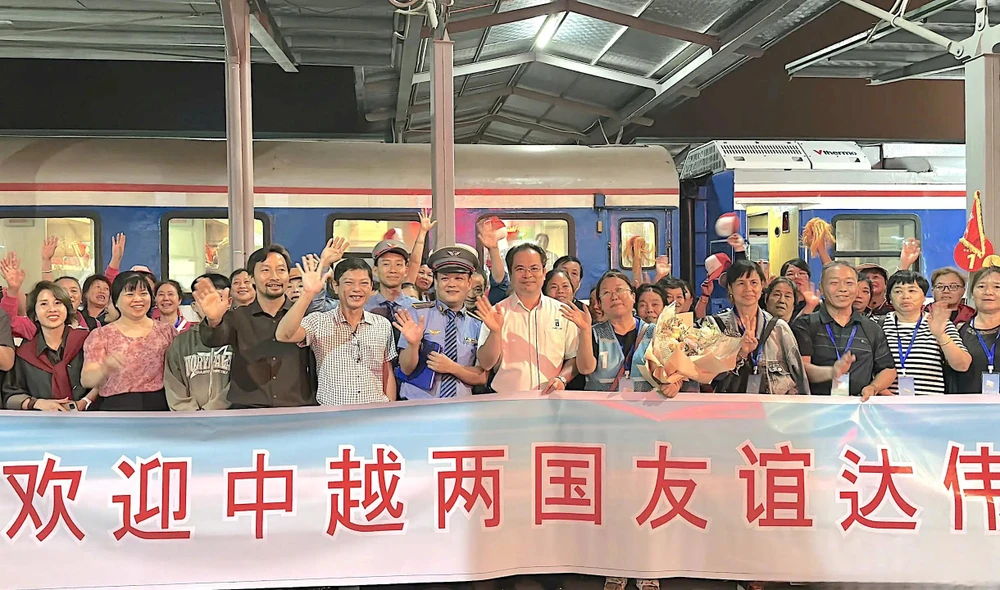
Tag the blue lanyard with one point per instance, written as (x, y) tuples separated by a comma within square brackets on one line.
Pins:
[(635, 343), (850, 340), (899, 342), (990, 352)]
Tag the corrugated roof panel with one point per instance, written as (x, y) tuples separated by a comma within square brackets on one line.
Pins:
[(544, 78), (570, 119), (523, 107), (493, 78), (601, 91), (508, 48), (639, 52), (581, 37)]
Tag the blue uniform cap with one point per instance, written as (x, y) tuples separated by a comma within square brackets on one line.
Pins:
[(458, 258)]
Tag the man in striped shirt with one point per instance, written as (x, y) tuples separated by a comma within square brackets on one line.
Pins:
[(921, 343)]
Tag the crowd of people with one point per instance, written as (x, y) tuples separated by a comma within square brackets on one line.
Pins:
[(334, 330)]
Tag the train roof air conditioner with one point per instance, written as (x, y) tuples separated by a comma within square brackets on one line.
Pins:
[(717, 156), (836, 155)]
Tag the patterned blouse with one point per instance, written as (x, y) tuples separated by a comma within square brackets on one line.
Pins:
[(144, 357)]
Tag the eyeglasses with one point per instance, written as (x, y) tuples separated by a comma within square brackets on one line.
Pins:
[(948, 288), (620, 292), (535, 270)]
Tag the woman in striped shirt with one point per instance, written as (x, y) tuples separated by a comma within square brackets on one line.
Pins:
[(921, 343)]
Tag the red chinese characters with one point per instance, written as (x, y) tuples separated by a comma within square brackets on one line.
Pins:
[(665, 488), (169, 502), (376, 480), (59, 485), (258, 507), (469, 465), (784, 472), (862, 515), (972, 475), (568, 482)]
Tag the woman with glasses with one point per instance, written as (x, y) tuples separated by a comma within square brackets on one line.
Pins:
[(922, 344), (948, 285), (980, 335), (769, 361), (610, 349), (797, 271)]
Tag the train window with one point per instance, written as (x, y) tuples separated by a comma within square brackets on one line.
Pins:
[(365, 234), (647, 231), (199, 245), (553, 235), (75, 255), (873, 238)]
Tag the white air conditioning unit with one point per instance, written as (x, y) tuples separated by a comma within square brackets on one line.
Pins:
[(836, 155), (717, 156)]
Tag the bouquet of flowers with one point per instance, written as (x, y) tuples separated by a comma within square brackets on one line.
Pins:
[(681, 351)]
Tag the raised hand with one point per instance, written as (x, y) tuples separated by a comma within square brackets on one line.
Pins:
[(312, 281), (663, 267), (580, 317), (334, 251), (426, 223), (487, 235), (843, 365), (812, 297), (737, 242), (411, 330), (910, 254), (749, 343), (211, 301), (49, 248), (707, 287), (937, 320), (117, 249), (10, 266), (491, 316)]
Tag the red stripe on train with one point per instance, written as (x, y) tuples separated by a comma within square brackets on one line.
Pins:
[(302, 190), (850, 193)]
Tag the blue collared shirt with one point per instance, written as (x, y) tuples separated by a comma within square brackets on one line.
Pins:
[(378, 300), (434, 331)]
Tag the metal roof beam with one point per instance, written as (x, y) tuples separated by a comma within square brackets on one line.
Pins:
[(376, 28), (265, 30), (928, 67), (407, 70), (194, 38), (52, 16), (572, 105), (736, 37), (595, 12), (550, 60), (513, 122)]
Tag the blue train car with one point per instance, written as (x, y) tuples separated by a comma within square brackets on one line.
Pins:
[(169, 198), (776, 187)]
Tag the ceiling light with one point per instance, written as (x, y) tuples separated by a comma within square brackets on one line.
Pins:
[(548, 30)]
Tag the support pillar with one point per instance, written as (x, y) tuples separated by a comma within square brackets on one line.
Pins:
[(982, 139), (239, 130), (443, 139)]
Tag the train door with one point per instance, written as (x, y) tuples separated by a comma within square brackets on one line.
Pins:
[(772, 234), (653, 225)]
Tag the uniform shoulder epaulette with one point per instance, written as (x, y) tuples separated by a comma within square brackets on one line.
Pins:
[(424, 305)]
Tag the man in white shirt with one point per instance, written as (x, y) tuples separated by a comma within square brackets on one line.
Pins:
[(525, 337)]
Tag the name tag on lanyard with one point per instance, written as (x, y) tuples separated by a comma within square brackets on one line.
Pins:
[(842, 385), (905, 384), (991, 380)]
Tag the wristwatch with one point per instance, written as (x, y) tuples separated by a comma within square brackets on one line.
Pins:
[(563, 379)]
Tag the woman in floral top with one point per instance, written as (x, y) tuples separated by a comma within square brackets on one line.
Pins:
[(125, 358)]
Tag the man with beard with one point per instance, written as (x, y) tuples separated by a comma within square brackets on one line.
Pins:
[(444, 324), (265, 373)]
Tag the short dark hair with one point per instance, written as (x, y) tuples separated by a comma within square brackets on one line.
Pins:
[(172, 283), (128, 281), (352, 264), (261, 254), (651, 289), (551, 275), (564, 259), (907, 277), (797, 263), (670, 283), (509, 259), (87, 284), (58, 292), (233, 274), (982, 274), (836, 264), (220, 282), (782, 281), (482, 273), (613, 274), (744, 268)]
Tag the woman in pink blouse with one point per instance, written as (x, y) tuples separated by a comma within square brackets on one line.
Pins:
[(125, 358)]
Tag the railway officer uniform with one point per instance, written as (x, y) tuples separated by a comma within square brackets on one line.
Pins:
[(456, 332)]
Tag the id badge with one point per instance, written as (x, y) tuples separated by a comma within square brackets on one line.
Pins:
[(841, 385), (753, 383), (906, 385), (626, 385), (991, 384)]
